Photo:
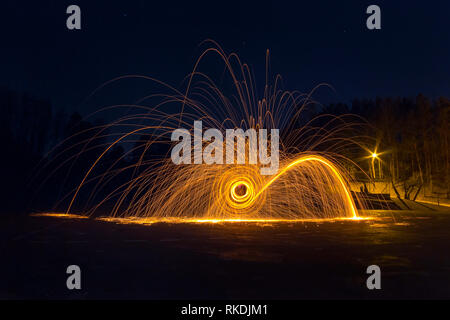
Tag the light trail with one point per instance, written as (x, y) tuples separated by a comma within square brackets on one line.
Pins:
[(311, 183), (150, 221), (333, 169)]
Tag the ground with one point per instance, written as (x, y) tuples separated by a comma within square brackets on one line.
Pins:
[(230, 260)]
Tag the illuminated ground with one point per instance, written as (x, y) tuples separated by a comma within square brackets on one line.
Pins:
[(322, 259)]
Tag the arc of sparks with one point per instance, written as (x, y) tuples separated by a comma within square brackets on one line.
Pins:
[(328, 164), (97, 160)]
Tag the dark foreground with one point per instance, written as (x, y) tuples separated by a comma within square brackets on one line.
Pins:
[(228, 261)]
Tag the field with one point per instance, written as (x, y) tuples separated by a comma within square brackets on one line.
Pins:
[(229, 260)]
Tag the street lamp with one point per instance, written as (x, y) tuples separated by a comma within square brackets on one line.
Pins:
[(375, 157)]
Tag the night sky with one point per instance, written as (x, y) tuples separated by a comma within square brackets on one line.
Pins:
[(311, 42)]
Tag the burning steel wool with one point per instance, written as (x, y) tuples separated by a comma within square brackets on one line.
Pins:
[(310, 182)]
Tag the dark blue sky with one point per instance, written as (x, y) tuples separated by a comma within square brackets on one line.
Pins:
[(310, 42)]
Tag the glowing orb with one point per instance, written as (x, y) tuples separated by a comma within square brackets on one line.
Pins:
[(235, 190)]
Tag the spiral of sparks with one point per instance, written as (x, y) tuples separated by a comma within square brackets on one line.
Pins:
[(235, 191)]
